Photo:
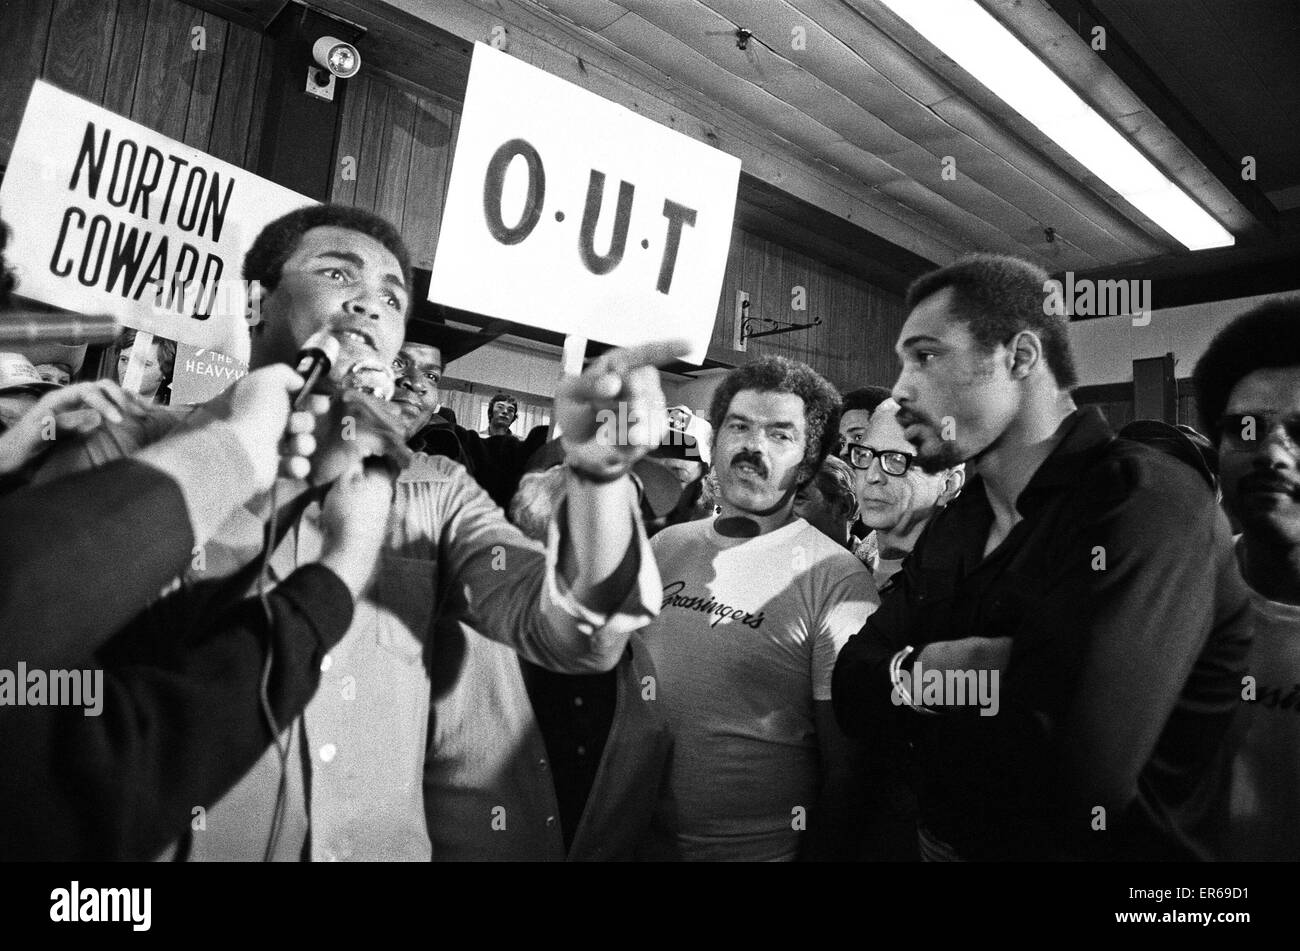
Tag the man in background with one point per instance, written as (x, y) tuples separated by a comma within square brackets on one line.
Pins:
[(896, 497), (1248, 394)]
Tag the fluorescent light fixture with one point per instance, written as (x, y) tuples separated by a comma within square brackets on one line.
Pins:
[(970, 36)]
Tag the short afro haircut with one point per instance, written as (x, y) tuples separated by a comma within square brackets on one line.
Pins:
[(277, 241), (1263, 338), (865, 398), (821, 402), (998, 296)]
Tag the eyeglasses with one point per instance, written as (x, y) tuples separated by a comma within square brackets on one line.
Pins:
[(892, 461), (1247, 431)]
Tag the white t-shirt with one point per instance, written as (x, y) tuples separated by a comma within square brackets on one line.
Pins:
[(744, 643), (1266, 772)]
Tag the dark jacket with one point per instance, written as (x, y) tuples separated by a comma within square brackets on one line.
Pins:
[(1130, 630), (180, 717)]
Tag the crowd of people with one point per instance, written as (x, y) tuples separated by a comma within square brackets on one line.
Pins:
[(955, 618)]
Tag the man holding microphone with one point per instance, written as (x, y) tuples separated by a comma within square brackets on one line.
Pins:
[(347, 781)]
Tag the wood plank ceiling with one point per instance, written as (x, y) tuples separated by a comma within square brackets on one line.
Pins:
[(839, 104)]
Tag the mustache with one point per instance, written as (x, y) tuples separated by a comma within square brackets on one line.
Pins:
[(1267, 482), (752, 458), (907, 417)]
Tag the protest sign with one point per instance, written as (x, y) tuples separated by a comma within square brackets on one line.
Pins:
[(572, 213), (198, 375), (109, 216)]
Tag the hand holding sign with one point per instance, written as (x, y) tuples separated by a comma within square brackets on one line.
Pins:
[(614, 413)]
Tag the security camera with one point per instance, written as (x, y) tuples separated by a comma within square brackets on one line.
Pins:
[(341, 59)]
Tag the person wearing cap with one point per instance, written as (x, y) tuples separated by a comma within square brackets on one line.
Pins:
[(1247, 386), (57, 362), (756, 605), (684, 453), (36, 412)]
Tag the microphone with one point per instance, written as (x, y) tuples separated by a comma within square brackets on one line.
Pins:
[(315, 358), (28, 328)]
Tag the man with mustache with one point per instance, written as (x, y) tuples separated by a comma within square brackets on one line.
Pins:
[(1085, 584), (1248, 394), (756, 605)]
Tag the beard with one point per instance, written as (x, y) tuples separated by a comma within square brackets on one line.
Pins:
[(934, 459), (934, 454)]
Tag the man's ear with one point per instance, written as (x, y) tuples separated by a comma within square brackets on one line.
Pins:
[(953, 481), (1026, 353), (256, 296)]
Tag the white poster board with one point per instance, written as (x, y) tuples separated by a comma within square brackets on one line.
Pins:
[(111, 217), (572, 213)]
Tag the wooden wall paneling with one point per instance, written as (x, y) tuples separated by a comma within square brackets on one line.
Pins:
[(22, 50), (80, 43), (395, 163), (232, 111), (206, 81), (427, 183), (370, 150), (162, 87), (124, 58), (822, 337), (352, 123), (794, 273), (724, 327), (753, 263), (261, 91), (847, 331)]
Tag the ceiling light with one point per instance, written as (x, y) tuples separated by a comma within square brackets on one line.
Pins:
[(970, 36)]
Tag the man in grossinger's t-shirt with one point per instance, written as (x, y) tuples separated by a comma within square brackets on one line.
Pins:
[(757, 604)]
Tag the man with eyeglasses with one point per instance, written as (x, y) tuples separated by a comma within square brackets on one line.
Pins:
[(1065, 644), (896, 497), (1248, 393)]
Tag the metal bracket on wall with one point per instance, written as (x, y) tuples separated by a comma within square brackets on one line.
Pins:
[(745, 324), (741, 322)]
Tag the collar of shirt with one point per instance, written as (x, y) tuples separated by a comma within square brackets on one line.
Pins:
[(1084, 437)]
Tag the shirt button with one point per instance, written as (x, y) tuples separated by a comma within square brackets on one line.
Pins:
[(577, 701), (328, 752), (550, 822), (326, 662)]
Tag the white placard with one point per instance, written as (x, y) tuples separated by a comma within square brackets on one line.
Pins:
[(570, 212), (111, 217)]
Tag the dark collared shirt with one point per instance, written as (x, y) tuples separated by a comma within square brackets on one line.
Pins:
[(1130, 632)]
